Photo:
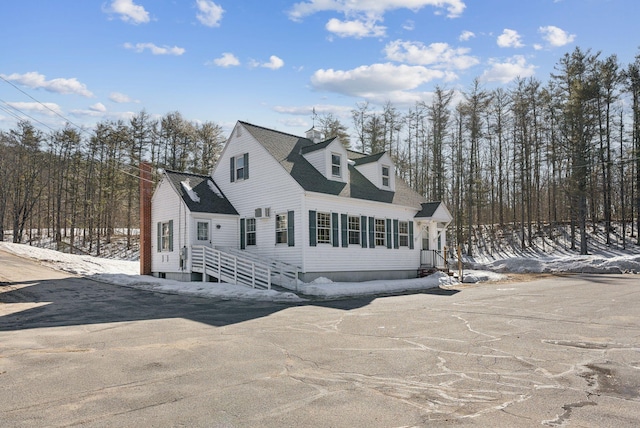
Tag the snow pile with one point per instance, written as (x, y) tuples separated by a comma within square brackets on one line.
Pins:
[(565, 264), (323, 287), (187, 188)]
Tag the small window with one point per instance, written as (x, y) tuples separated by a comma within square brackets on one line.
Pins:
[(335, 165), (354, 230), (281, 229), (240, 168), (324, 228), (203, 231), (403, 233), (380, 232), (251, 231), (385, 176)]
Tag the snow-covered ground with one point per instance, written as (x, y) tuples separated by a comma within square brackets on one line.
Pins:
[(125, 273)]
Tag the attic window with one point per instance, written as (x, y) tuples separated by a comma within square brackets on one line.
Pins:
[(335, 165), (385, 176)]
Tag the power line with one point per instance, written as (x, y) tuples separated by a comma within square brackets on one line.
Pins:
[(70, 122)]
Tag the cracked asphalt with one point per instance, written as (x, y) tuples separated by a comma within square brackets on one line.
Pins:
[(559, 351)]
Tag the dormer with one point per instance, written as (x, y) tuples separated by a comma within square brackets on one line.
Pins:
[(329, 158), (378, 169)]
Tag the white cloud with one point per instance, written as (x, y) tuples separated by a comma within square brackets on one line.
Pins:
[(274, 63), (466, 35), (226, 60), (440, 55), (371, 8), (371, 80), (155, 50), (409, 25), (129, 11), (319, 109), (505, 72), (210, 13), (98, 107), (510, 39), (117, 97), (355, 28), (50, 109), (36, 80), (556, 36)]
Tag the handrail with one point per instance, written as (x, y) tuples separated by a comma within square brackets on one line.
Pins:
[(229, 268), (434, 258)]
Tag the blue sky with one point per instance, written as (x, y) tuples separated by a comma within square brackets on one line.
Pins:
[(271, 62)]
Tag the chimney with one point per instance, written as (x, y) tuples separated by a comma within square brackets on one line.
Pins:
[(145, 218)]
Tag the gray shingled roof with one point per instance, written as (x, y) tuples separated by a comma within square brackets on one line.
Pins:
[(210, 201), (428, 209), (287, 149)]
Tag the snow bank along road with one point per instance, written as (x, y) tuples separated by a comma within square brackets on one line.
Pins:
[(562, 351)]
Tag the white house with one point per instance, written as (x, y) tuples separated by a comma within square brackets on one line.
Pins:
[(312, 205)]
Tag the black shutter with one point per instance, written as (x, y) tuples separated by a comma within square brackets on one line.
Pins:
[(396, 233), (363, 231), (388, 232), (345, 234), (243, 243), (312, 229), (411, 235), (246, 166), (232, 169), (291, 239), (170, 235), (159, 236), (372, 233), (334, 226)]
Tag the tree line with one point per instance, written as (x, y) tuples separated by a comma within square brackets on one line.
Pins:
[(77, 187), (529, 157)]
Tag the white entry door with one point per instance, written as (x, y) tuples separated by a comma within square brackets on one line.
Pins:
[(203, 232)]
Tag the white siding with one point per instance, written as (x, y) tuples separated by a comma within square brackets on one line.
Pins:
[(166, 205), (327, 258), (268, 186)]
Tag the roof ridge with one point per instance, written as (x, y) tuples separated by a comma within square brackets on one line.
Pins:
[(271, 129)]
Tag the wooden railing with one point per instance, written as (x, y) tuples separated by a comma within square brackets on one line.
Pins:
[(282, 274), (229, 267)]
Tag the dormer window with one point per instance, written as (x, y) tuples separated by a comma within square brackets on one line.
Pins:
[(336, 162), (385, 176)]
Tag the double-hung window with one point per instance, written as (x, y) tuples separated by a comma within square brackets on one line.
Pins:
[(354, 229), (165, 236), (239, 167), (403, 233), (380, 232), (385, 176), (281, 229), (336, 165), (324, 228), (251, 231)]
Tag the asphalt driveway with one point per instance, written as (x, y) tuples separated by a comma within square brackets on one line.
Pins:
[(560, 351)]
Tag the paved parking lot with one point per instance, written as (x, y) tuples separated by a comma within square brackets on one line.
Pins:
[(560, 351)]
